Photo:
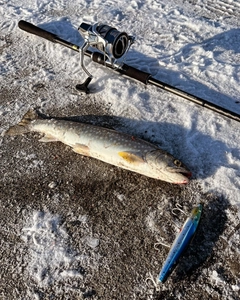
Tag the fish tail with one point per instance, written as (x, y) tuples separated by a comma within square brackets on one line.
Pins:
[(23, 126)]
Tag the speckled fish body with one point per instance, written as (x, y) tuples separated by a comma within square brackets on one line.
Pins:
[(181, 242), (107, 145)]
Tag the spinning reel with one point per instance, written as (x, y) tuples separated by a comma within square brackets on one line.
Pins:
[(111, 43)]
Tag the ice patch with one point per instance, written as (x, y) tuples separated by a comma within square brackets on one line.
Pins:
[(216, 278), (236, 288), (50, 256), (91, 242)]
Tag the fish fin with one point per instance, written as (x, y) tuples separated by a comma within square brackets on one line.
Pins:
[(48, 138), (81, 149), (131, 157), (16, 130), (23, 126)]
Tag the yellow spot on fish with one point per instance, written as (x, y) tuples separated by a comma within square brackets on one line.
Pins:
[(131, 157)]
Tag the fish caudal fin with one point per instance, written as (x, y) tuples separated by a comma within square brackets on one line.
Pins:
[(23, 126)]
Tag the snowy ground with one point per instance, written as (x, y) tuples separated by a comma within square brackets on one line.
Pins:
[(74, 228)]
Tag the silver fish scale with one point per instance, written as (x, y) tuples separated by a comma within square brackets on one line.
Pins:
[(112, 138), (116, 148), (91, 135)]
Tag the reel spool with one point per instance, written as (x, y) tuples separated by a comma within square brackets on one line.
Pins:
[(112, 43)]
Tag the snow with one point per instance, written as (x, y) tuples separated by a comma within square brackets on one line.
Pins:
[(50, 258), (48, 249), (173, 43), (194, 47), (215, 277)]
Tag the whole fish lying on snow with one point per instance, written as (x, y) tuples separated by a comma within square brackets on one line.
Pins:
[(107, 145)]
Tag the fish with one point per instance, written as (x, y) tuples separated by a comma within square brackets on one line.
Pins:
[(180, 243), (108, 145)]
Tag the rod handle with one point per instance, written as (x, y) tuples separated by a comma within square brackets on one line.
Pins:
[(26, 26), (135, 73), (125, 69)]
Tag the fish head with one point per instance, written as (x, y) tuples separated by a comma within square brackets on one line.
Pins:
[(167, 168)]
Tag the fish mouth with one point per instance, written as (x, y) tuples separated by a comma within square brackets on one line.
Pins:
[(187, 176), (182, 175)]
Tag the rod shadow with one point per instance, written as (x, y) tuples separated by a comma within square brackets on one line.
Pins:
[(64, 29), (214, 48)]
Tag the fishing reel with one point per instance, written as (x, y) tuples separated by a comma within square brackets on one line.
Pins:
[(111, 44)]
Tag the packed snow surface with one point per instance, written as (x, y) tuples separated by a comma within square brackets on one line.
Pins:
[(191, 45)]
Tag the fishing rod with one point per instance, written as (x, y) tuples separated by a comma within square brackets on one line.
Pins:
[(111, 45)]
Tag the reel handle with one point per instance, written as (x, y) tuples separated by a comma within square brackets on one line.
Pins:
[(26, 26)]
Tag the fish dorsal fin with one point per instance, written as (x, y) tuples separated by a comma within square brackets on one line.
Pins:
[(81, 149), (48, 138), (131, 158)]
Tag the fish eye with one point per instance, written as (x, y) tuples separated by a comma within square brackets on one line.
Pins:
[(177, 163)]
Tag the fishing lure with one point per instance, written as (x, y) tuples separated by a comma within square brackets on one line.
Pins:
[(180, 243)]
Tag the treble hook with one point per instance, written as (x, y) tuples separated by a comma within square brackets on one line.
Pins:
[(155, 282), (178, 207), (160, 243)]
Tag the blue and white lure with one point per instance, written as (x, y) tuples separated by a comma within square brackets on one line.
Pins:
[(180, 243)]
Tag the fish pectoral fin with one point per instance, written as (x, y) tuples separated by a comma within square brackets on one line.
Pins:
[(48, 138), (131, 157), (81, 149)]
